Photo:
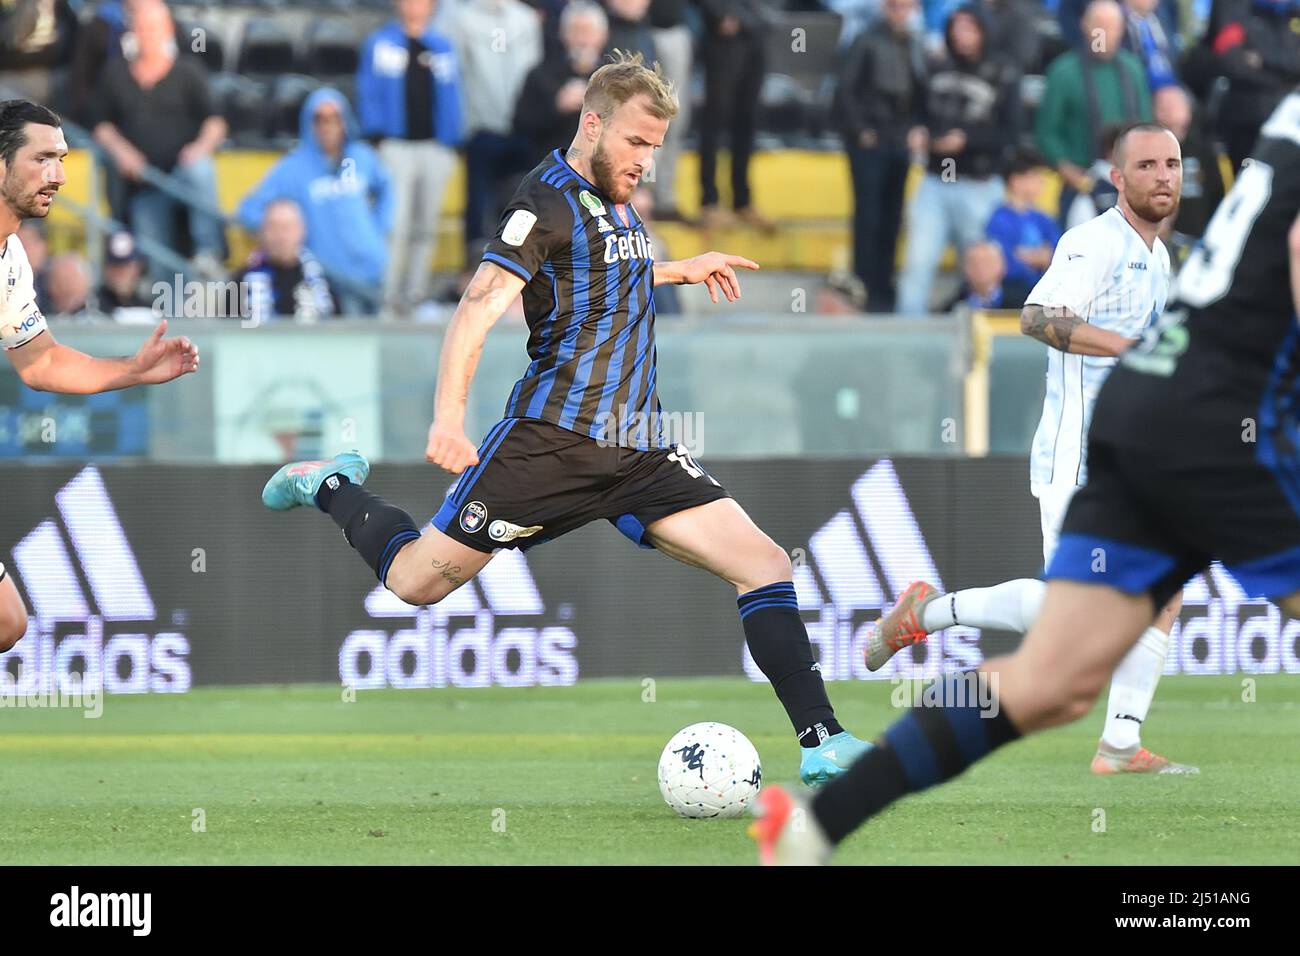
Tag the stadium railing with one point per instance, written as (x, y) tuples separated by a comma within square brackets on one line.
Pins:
[(742, 386)]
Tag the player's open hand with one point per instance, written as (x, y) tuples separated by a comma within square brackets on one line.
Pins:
[(450, 448), (717, 270), (161, 360)]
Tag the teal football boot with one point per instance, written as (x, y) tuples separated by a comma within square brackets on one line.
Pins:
[(830, 758), (296, 483)]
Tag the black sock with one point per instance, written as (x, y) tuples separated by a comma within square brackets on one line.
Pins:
[(376, 529), (778, 642), (959, 722)]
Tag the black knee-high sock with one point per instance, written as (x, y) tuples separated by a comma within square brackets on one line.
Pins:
[(959, 722), (778, 642), (376, 529)]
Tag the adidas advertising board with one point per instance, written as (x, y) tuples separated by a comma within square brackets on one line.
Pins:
[(165, 577), (92, 620)]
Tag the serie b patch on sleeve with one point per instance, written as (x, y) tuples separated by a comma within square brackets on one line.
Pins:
[(517, 228)]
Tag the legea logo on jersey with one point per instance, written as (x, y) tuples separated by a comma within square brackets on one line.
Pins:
[(97, 635), (461, 640), (1223, 630), (860, 561)]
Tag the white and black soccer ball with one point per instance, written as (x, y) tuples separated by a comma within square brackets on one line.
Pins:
[(709, 770)]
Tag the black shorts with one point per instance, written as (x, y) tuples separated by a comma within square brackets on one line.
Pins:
[(536, 481), (1146, 522)]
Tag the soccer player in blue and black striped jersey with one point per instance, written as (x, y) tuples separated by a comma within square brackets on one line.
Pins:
[(581, 438)]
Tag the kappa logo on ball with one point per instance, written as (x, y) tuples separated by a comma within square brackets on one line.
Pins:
[(505, 531), (472, 516)]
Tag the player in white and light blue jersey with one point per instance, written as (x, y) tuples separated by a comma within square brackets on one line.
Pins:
[(1107, 283), (1103, 273)]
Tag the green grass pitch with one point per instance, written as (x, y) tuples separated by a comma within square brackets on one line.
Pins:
[(567, 775)]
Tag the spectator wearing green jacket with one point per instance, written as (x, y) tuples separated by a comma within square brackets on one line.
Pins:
[(1087, 88)]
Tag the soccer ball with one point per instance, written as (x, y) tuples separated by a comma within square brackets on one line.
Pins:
[(709, 770)]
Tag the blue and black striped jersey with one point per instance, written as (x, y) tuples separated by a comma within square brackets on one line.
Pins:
[(588, 299)]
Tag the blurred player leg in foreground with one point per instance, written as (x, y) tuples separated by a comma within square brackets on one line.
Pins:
[(1053, 678), (1015, 606)]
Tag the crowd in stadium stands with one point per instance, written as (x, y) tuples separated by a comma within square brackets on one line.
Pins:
[(977, 100), (341, 186)]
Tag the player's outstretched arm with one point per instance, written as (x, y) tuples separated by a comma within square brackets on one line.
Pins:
[(1060, 328), (717, 270), (49, 366), (486, 299)]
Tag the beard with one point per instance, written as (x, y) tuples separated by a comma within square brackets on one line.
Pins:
[(1147, 209), (608, 180), (23, 205)]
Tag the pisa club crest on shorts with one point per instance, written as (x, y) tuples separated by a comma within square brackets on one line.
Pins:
[(472, 516)]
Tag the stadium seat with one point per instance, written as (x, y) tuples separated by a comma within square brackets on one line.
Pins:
[(781, 107), (802, 57), (224, 26), (286, 103), (345, 83), (332, 46), (267, 47), (243, 102), (1051, 43), (212, 49)]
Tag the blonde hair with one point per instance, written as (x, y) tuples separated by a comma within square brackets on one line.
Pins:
[(626, 77)]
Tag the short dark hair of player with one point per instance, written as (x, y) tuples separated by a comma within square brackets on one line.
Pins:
[(1123, 134), (625, 78), (1023, 160), (14, 117)]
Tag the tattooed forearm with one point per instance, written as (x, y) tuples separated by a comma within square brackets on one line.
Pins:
[(488, 283), (448, 571), (1053, 325)]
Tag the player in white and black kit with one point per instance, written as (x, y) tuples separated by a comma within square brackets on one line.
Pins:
[(1193, 456), (32, 148), (580, 440)]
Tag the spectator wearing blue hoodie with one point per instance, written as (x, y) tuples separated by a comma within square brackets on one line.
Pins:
[(342, 189), (408, 99)]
